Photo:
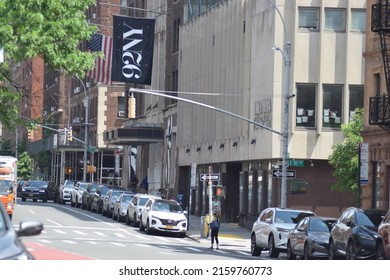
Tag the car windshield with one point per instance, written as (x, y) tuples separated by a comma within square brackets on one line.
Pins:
[(375, 217), (104, 190), (142, 201), (126, 198), (318, 225), (290, 217), (163, 206), (5, 187), (363, 220), (36, 184)]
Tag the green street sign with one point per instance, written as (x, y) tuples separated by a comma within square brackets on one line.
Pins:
[(296, 162)]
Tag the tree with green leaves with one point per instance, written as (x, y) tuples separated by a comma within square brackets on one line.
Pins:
[(50, 29), (25, 166), (345, 156)]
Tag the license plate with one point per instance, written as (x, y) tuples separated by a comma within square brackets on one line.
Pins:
[(30, 194), (169, 226)]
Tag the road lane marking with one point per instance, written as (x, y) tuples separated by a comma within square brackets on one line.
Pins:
[(80, 232), (100, 233), (118, 244), (60, 231), (69, 242)]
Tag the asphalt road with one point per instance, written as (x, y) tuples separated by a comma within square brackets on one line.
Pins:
[(73, 233)]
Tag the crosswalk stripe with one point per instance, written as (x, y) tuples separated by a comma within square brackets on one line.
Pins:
[(121, 235), (100, 233), (80, 232), (69, 242), (118, 244)]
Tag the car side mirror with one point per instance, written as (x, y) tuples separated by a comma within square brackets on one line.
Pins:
[(268, 220), (301, 228)]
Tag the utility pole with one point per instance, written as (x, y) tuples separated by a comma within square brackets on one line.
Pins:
[(85, 131)]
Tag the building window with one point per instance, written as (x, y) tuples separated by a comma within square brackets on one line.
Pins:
[(358, 20), (332, 102), (356, 99), (121, 106), (306, 102), (309, 18), (335, 19), (377, 78)]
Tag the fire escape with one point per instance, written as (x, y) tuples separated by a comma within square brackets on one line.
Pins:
[(379, 111)]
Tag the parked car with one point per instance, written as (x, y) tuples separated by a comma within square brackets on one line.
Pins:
[(163, 215), (77, 193), (109, 200), (97, 198), (12, 247), (135, 206), (66, 191), (39, 190), (86, 198), (120, 205), (308, 239), (270, 230), (355, 234), (383, 244)]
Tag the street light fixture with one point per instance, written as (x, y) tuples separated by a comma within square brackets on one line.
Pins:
[(285, 130)]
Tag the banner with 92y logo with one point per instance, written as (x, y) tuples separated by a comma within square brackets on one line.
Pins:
[(132, 57)]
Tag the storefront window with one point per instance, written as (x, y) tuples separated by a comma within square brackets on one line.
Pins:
[(332, 102), (306, 101)]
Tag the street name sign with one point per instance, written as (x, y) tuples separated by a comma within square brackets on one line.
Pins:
[(211, 177), (277, 173)]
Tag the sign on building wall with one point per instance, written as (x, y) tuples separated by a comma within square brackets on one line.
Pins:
[(364, 163)]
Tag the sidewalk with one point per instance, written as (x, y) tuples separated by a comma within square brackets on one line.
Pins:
[(227, 230)]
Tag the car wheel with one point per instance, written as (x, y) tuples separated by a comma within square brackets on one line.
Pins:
[(118, 217), (103, 212), (255, 250), (23, 199), (380, 251), (273, 252), (331, 253), (351, 251), (44, 199), (306, 252), (141, 227), (113, 215), (148, 229), (127, 219), (290, 255), (35, 200), (134, 221)]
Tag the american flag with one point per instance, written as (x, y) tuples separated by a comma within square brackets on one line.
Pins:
[(102, 70)]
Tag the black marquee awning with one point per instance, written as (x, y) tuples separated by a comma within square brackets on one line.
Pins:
[(138, 134)]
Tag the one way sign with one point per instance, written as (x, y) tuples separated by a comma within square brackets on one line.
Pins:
[(211, 177), (277, 173)]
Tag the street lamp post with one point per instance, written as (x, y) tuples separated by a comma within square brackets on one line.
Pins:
[(286, 112), (85, 131)]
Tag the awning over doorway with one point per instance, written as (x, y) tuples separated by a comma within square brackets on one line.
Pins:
[(137, 134)]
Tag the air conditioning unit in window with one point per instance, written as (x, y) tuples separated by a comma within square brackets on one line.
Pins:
[(87, 84), (76, 90), (76, 120), (121, 113)]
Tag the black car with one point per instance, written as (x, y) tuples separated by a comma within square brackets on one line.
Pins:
[(109, 200), (11, 246), (97, 198), (355, 234), (309, 239), (39, 190), (86, 199)]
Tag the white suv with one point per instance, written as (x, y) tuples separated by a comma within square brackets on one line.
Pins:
[(134, 209), (270, 230), (163, 215), (66, 191)]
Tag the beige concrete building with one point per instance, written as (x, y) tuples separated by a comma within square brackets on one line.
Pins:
[(232, 56)]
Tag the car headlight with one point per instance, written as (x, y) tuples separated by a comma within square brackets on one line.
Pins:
[(363, 235), (282, 229)]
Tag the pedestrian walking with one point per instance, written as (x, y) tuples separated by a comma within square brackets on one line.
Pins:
[(214, 228)]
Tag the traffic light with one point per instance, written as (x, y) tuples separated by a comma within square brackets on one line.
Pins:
[(30, 134), (69, 170), (70, 134)]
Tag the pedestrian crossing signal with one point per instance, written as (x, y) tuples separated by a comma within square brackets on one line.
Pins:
[(220, 191), (69, 170)]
